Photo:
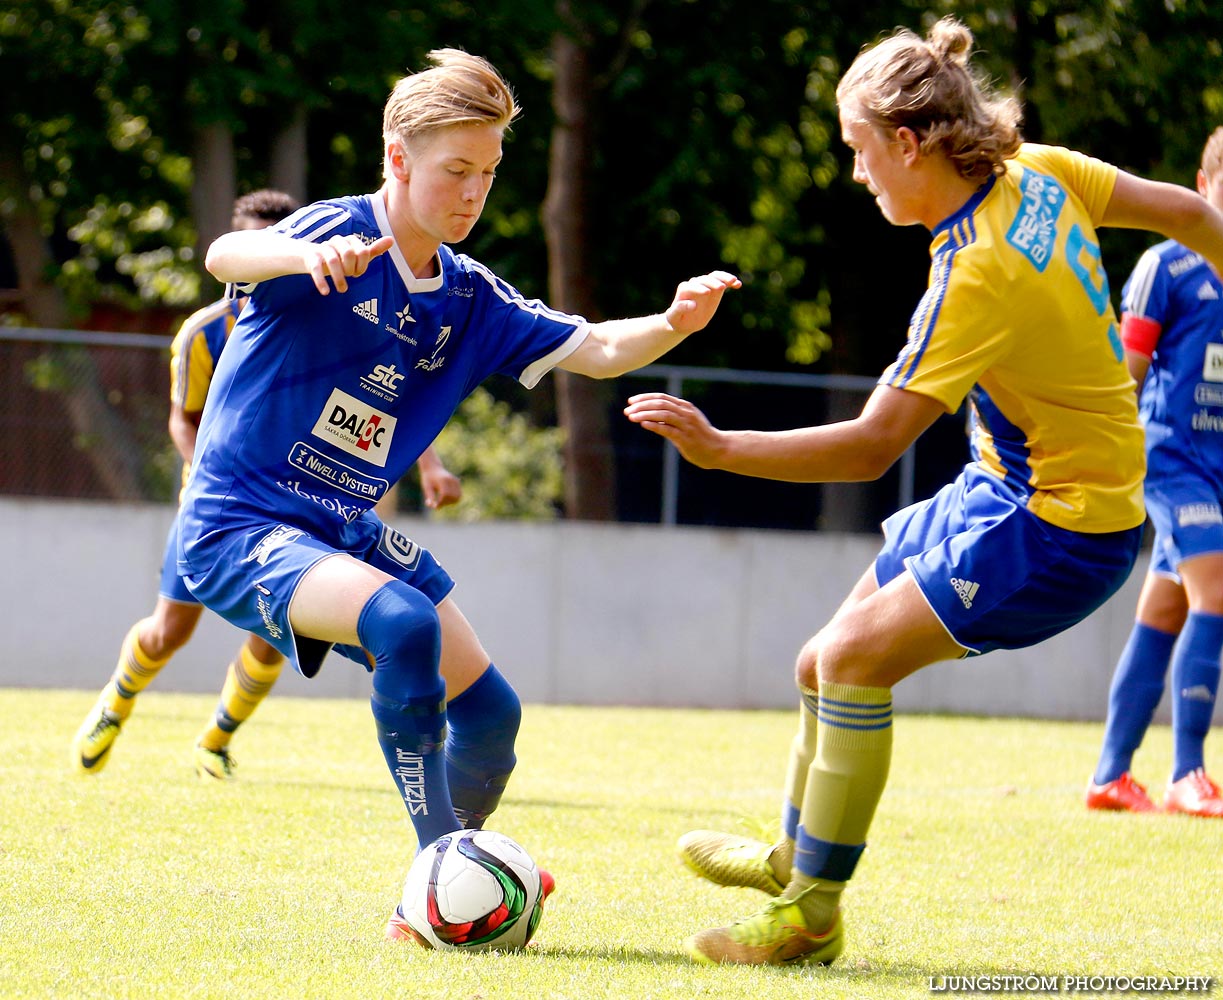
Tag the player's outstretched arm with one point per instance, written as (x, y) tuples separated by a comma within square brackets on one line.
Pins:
[(1169, 209), (254, 255), (622, 345), (848, 451)]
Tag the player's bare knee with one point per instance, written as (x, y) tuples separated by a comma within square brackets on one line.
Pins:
[(1206, 599), (806, 668), (264, 651), (842, 657), (164, 634)]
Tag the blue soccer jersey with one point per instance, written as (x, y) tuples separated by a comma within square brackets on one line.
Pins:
[(1174, 301), (320, 403), (193, 358)]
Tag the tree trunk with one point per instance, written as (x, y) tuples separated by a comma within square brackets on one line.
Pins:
[(37, 297), (1030, 27), (581, 403), (287, 170), (214, 187)]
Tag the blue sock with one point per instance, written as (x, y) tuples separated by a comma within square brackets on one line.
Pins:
[(1138, 684), (1195, 683), (399, 626), (484, 722), (789, 822)]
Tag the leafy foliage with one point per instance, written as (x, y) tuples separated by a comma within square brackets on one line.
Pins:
[(717, 131), (509, 468)]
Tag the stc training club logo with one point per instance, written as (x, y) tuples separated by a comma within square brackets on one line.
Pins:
[(383, 382), (356, 427)]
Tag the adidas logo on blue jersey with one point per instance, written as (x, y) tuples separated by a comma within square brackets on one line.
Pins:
[(368, 309), (1207, 292), (966, 589)]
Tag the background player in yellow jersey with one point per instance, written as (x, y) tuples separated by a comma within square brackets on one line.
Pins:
[(1038, 531), (152, 641)]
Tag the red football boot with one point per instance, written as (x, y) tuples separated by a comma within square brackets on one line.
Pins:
[(1194, 795), (1122, 794)]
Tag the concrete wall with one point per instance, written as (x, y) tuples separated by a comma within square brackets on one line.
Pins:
[(572, 613)]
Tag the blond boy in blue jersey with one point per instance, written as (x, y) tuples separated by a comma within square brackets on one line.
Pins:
[(1038, 531), (152, 641)]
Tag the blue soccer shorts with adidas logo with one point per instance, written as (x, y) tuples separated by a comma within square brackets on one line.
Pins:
[(996, 575)]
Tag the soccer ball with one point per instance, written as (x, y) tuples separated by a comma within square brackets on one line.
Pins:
[(473, 890)]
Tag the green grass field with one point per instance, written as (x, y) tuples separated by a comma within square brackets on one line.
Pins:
[(145, 882)]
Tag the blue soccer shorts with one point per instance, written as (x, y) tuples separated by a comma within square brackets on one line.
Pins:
[(172, 587), (1188, 520), (996, 575), (256, 569)]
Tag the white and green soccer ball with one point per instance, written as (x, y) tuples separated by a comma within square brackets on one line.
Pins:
[(473, 890)]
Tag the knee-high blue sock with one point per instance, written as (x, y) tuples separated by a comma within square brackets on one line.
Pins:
[(1138, 684), (483, 723), (399, 626), (1195, 684)]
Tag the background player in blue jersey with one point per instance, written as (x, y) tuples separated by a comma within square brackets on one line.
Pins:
[(363, 334), (151, 642), (1038, 531), (1172, 327)]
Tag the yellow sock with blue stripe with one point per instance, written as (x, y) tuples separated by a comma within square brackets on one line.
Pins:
[(133, 673), (844, 784), (247, 683), (802, 753)]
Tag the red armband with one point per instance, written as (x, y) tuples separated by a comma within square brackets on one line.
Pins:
[(1140, 334)]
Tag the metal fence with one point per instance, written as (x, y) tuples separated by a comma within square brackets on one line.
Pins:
[(83, 415), (677, 378)]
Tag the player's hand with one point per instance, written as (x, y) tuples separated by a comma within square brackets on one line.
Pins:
[(439, 487), (340, 258), (679, 422), (697, 299)]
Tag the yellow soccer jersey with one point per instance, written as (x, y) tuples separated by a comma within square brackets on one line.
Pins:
[(194, 353), (1017, 318)]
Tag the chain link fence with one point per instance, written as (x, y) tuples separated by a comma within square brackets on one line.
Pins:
[(83, 415)]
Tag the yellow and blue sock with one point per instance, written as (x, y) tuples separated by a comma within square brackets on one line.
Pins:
[(802, 753), (133, 673), (247, 682), (1137, 686), (1195, 685), (844, 784)]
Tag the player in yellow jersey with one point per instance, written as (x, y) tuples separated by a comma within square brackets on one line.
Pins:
[(152, 641), (1037, 531)]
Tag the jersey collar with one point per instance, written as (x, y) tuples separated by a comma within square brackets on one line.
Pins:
[(414, 283), (967, 209)]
